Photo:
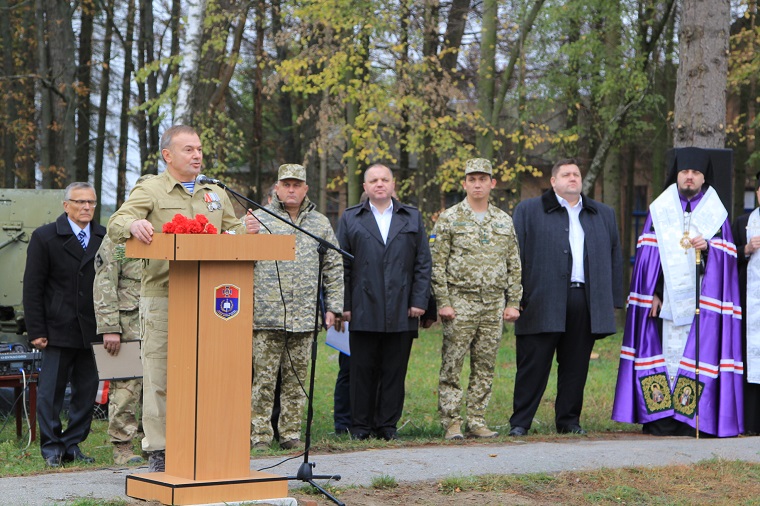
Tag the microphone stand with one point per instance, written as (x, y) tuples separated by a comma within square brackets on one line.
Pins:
[(305, 470)]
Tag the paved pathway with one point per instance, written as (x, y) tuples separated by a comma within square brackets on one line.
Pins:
[(418, 464)]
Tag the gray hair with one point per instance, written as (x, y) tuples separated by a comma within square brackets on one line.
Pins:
[(77, 185), (169, 134)]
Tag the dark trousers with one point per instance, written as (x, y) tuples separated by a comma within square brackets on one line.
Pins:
[(378, 358), (59, 367), (534, 363), (342, 394)]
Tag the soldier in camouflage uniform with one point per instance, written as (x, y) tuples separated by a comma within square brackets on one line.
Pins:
[(116, 294), (476, 282), (286, 293)]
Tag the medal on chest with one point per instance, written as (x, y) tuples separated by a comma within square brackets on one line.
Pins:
[(213, 202)]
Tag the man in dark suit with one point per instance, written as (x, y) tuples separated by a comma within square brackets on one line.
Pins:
[(572, 277), (60, 320), (387, 287)]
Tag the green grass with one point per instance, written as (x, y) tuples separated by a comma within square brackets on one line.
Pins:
[(420, 419), (384, 482), (419, 424)]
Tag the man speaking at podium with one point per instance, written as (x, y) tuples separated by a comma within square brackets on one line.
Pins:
[(150, 205)]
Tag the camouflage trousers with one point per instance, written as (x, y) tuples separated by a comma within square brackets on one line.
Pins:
[(476, 329), (154, 329), (123, 401), (287, 352)]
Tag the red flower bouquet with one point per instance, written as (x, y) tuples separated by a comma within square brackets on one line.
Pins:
[(183, 225)]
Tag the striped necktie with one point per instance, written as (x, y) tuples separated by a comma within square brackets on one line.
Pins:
[(81, 237)]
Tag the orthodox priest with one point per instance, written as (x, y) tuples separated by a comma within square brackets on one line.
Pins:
[(746, 230), (657, 382)]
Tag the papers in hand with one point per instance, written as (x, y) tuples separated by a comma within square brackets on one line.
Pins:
[(338, 340), (125, 365)]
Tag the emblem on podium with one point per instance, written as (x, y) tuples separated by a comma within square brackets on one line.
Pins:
[(227, 298)]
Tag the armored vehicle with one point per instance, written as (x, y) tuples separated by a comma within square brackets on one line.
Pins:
[(21, 212)]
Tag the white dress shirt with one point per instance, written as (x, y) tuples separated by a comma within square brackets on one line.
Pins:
[(576, 237), (75, 228), (383, 220)]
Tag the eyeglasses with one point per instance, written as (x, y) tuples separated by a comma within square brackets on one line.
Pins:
[(91, 203)]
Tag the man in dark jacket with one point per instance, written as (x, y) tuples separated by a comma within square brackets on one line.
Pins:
[(60, 320), (572, 272), (387, 287)]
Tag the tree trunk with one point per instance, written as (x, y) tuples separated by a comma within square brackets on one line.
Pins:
[(257, 127), (28, 152), (9, 90), (323, 151), (487, 73), (105, 88), (58, 45), (452, 38), (353, 176), (665, 87), (84, 76), (700, 106), (191, 54), (492, 105), (141, 119), (121, 170), (401, 70), (46, 105), (176, 30), (746, 166), (152, 81), (289, 148), (427, 188)]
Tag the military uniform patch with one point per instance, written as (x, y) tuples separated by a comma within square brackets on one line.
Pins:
[(684, 397), (227, 299), (656, 393)]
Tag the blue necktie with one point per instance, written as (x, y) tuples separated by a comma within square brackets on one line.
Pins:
[(81, 237)]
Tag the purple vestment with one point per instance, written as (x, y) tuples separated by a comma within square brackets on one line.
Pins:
[(644, 393)]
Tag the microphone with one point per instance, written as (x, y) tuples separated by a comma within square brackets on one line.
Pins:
[(201, 179)]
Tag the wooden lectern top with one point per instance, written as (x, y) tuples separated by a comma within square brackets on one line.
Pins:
[(219, 247)]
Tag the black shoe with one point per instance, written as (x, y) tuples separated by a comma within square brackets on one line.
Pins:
[(388, 434), (360, 435), (75, 454), (571, 429), (518, 431), (157, 461), (53, 460)]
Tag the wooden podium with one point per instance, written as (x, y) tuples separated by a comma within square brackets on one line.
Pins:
[(209, 366)]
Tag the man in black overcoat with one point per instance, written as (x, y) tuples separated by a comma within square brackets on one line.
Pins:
[(572, 277), (387, 287), (60, 321)]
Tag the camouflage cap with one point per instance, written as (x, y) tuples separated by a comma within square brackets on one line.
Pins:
[(291, 171), (478, 165)]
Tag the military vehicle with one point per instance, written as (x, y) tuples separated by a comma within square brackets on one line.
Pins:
[(21, 212)]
